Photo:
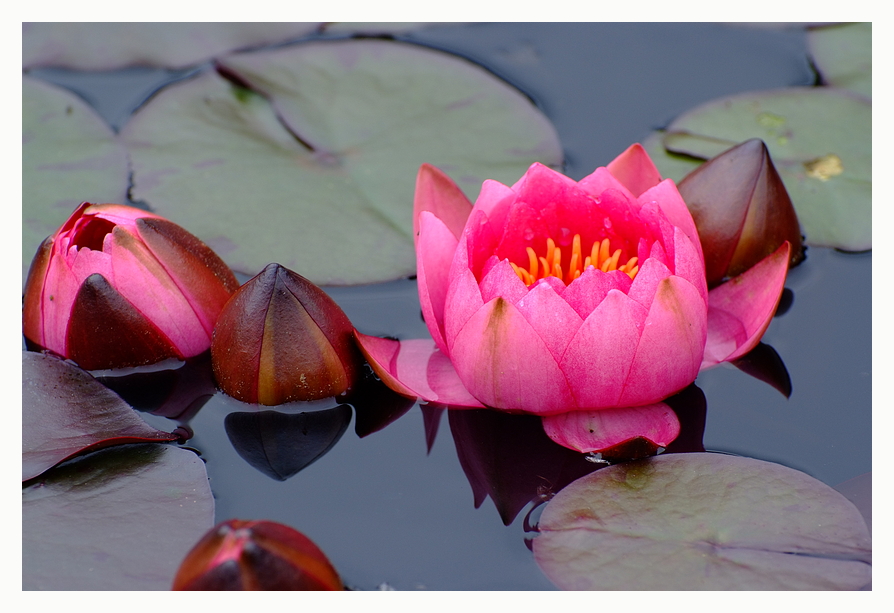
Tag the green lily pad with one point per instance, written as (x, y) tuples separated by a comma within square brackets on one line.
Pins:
[(109, 45), (69, 155), (842, 54), (702, 521), (118, 519), (308, 155), (819, 139)]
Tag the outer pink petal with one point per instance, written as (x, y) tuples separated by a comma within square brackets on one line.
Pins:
[(59, 291), (501, 280), (740, 310), (588, 431), (505, 364), (587, 291), (598, 358), (688, 262), (494, 200), (438, 194), (672, 345), (651, 273), (415, 368), (435, 248), (666, 195), (635, 170), (602, 179), (551, 317)]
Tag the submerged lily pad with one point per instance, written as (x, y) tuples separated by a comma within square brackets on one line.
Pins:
[(308, 155), (819, 139), (108, 45), (118, 519), (66, 412), (69, 155), (842, 54), (702, 521)]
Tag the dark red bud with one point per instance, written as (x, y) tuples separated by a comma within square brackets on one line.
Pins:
[(280, 338), (741, 209), (255, 555)]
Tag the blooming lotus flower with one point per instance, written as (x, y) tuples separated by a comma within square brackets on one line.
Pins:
[(280, 338), (554, 297), (118, 286)]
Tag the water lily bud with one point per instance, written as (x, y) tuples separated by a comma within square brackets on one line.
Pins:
[(741, 209), (281, 338), (117, 286), (255, 555)]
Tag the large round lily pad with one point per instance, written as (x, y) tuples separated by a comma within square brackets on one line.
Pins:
[(308, 155), (118, 519), (842, 54), (109, 45), (819, 139), (69, 155), (702, 521)]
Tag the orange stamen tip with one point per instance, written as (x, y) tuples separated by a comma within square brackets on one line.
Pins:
[(550, 264)]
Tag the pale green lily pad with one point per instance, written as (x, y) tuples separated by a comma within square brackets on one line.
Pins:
[(69, 155), (842, 54), (314, 167), (702, 521), (109, 45), (820, 142), (118, 519)]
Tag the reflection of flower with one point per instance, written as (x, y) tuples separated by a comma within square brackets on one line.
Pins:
[(554, 296), (118, 286)]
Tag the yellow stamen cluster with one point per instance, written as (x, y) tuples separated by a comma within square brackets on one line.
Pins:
[(551, 265)]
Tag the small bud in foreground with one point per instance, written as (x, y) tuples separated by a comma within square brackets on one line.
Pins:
[(741, 209), (280, 338), (118, 286), (255, 555)]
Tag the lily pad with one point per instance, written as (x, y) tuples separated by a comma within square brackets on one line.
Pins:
[(819, 139), (842, 54), (66, 412), (69, 155), (118, 519), (308, 155), (702, 521), (108, 45)]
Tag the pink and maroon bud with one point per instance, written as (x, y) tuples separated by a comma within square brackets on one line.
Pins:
[(117, 286), (741, 209), (255, 555), (280, 338)]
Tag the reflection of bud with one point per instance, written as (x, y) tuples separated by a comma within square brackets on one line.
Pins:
[(117, 286), (255, 555), (741, 209), (281, 338)]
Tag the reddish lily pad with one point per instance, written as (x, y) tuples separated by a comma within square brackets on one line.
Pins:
[(307, 155), (119, 519), (819, 139), (66, 412), (702, 521), (842, 53), (69, 156), (109, 45)]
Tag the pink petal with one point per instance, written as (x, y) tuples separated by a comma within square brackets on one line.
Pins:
[(587, 291), (494, 200), (634, 169), (59, 291), (602, 179), (551, 317), (439, 195), (688, 262), (594, 431), (740, 310), (651, 273), (599, 356), (502, 281), (435, 248), (415, 368), (505, 364), (463, 301), (672, 344), (666, 195)]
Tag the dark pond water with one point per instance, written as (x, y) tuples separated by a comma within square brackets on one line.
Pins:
[(385, 508)]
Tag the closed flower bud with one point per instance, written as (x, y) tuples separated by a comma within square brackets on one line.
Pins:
[(255, 555), (118, 286), (741, 209), (280, 338)]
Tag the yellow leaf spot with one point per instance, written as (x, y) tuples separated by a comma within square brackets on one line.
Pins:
[(824, 168)]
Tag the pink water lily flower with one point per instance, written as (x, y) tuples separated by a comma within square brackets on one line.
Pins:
[(118, 286), (583, 302)]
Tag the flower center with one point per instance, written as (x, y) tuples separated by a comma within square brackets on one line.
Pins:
[(600, 258)]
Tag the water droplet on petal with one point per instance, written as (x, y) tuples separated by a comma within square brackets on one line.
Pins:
[(565, 237), (607, 223), (528, 234)]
